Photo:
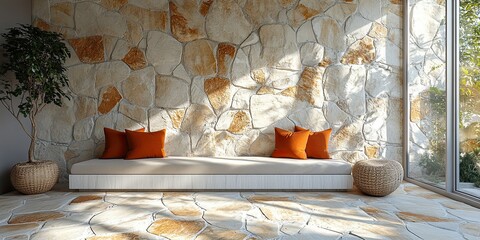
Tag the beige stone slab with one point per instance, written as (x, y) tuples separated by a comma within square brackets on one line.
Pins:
[(471, 216), (181, 204), (426, 231), (93, 207), (224, 219), (262, 228), (312, 233), (221, 234), (74, 233), (9, 204), (139, 225), (75, 219), (43, 204), (119, 214)]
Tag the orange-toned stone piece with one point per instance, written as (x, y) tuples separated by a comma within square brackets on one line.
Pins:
[(135, 59), (113, 4), (415, 217), (110, 98), (239, 123), (89, 49), (225, 55), (361, 52), (205, 6), (86, 198), (35, 217), (218, 91), (118, 236), (186, 22), (176, 229), (371, 152)]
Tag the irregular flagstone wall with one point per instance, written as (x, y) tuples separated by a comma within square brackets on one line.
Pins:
[(219, 75)]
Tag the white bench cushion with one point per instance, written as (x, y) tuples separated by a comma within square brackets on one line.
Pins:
[(212, 166)]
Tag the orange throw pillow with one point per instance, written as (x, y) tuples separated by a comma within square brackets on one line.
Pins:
[(317, 145), (115, 143), (146, 144), (290, 144)]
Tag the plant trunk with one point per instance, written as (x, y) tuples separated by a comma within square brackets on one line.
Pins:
[(31, 149)]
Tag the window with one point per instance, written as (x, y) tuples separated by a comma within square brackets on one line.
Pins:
[(442, 97), (427, 92), (468, 37)]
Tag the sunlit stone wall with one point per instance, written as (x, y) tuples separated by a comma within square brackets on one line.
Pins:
[(219, 75)]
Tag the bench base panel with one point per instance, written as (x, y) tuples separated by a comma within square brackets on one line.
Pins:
[(211, 182)]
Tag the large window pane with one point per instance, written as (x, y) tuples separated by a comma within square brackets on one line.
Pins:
[(426, 89), (469, 90)]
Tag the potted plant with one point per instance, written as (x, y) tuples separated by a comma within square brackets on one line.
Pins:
[(33, 76)]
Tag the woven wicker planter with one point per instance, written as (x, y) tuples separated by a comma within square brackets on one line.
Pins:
[(377, 177), (34, 178)]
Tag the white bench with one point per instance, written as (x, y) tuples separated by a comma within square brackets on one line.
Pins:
[(211, 173)]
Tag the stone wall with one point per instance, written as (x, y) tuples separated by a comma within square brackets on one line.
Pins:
[(219, 75)]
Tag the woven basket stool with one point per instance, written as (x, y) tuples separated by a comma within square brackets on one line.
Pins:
[(34, 178), (377, 177)]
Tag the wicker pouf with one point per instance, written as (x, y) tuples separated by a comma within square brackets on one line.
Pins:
[(34, 178), (377, 177)]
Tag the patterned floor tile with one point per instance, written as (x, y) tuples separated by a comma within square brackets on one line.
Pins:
[(410, 212)]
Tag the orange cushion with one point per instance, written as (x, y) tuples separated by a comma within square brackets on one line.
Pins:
[(146, 144), (317, 145), (290, 144), (116, 143)]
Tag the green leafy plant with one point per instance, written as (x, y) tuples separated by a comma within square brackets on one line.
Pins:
[(469, 170), (433, 164), (36, 59), (469, 45)]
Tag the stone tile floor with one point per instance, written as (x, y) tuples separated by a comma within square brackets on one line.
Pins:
[(409, 213)]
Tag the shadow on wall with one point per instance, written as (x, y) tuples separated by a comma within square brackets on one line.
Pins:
[(220, 75), (13, 142)]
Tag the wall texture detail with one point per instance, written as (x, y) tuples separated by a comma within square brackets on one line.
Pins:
[(219, 75)]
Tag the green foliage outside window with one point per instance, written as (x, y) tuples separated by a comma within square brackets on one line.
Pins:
[(469, 169), (469, 45), (433, 162)]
